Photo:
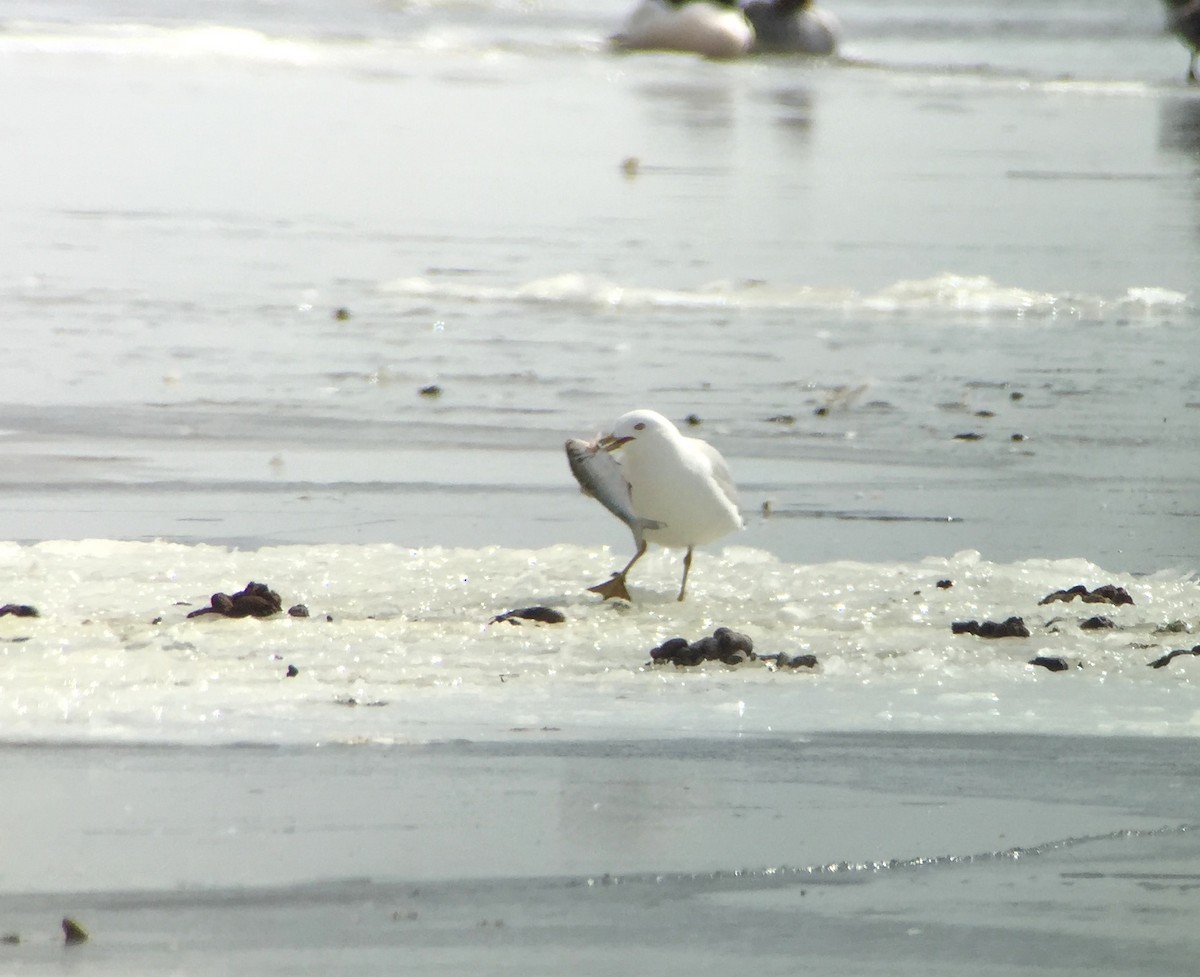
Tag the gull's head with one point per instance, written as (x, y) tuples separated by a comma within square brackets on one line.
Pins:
[(639, 425)]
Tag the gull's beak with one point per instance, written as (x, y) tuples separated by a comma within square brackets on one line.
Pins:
[(610, 443)]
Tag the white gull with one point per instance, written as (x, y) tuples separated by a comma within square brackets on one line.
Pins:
[(680, 488)]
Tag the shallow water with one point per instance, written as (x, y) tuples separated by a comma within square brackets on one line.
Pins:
[(907, 238), (840, 854)]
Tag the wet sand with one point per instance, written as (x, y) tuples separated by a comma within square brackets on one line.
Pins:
[(840, 853)]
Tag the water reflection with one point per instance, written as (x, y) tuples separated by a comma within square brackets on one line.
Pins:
[(1179, 125), (691, 104), (794, 110), (1179, 133)]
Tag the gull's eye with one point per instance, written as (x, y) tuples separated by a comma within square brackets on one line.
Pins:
[(639, 426)]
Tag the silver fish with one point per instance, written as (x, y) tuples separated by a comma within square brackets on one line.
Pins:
[(600, 476)]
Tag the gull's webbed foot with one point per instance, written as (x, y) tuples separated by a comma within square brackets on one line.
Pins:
[(612, 588)]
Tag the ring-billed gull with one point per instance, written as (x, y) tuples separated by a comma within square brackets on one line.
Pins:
[(679, 490)]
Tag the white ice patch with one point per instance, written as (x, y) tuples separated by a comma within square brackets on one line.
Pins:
[(408, 654)]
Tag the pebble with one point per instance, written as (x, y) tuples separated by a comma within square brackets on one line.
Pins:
[(18, 610), (73, 933), (1097, 623)]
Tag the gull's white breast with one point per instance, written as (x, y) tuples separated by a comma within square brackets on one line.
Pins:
[(685, 484)]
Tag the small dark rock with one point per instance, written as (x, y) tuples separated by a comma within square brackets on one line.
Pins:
[(328, 618), (782, 419), (1166, 659), (1106, 594), (292, 671), (73, 933), (985, 413), (968, 436), (1016, 395), (433, 390), (737, 657), (945, 584), (19, 610), (341, 314), (822, 412), (10, 939), (693, 420), (547, 615), (157, 620), (297, 610), (1012, 627), (1097, 623), (1017, 437), (1054, 664)]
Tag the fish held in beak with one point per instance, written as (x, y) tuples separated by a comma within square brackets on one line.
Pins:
[(611, 443)]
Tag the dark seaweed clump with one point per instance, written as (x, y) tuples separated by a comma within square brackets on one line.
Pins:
[(724, 645), (546, 615), (256, 600), (1013, 627), (1106, 594)]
